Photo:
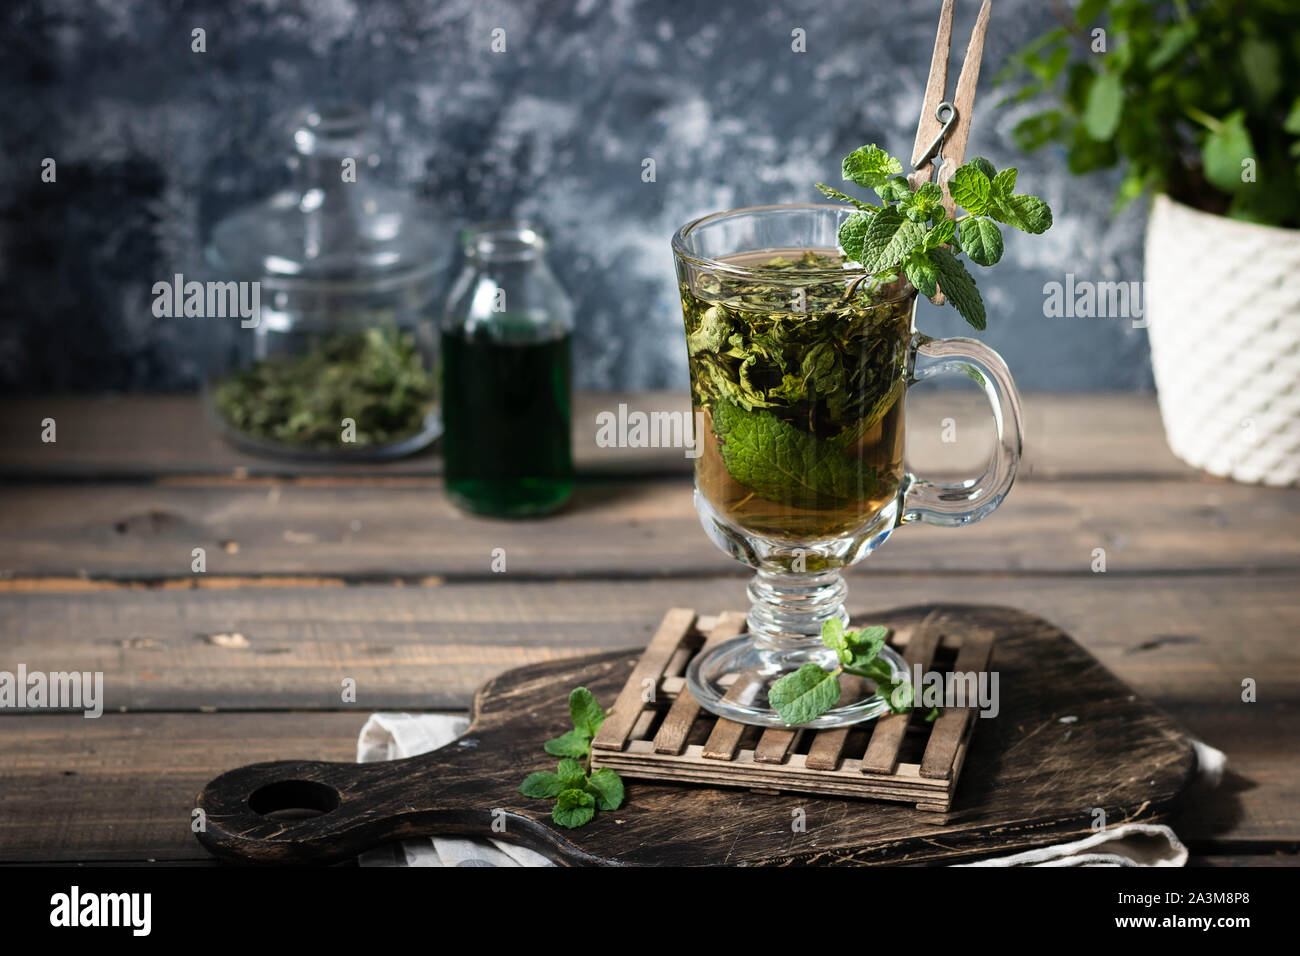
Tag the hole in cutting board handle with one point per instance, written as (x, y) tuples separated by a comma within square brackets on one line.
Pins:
[(293, 800)]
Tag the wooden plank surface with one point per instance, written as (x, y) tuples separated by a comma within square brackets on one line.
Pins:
[(1174, 638), (130, 531), (151, 435), (124, 787), (363, 571)]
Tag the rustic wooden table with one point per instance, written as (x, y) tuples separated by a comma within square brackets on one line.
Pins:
[(367, 572)]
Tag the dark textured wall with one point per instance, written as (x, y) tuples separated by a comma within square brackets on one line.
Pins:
[(153, 142)]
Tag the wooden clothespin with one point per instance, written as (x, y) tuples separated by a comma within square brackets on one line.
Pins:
[(945, 124)]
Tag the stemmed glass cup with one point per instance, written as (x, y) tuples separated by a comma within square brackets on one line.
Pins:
[(799, 366)]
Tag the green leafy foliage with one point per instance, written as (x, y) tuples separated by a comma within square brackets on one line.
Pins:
[(809, 692), (585, 711), (574, 808), (981, 239), (914, 234), (959, 286), (870, 166), (578, 792), (377, 378), (1194, 99)]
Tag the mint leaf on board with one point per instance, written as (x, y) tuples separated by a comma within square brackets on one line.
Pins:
[(783, 464), (981, 240), (959, 288), (578, 792), (571, 775), (543, 785), (574, 808), (606, 786), (804, 694), (585, 711), (870, 166), (571, 744)]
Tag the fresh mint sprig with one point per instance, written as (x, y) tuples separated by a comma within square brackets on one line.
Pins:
[(912, 233), (812, 690), (577, 791)]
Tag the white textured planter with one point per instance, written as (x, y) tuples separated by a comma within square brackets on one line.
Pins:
[(1223, 301)]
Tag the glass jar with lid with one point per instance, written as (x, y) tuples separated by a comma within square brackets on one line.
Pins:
[(341, 360), (506, 335)]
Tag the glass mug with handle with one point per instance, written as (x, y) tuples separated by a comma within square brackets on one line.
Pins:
[(799, 365)]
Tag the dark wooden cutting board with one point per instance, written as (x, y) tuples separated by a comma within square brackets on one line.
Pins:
[(1033, 776)]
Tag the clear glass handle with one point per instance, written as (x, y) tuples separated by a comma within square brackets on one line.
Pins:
[(952, 503)]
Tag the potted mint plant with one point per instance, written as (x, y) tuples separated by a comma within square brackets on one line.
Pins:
[(1198, 102)]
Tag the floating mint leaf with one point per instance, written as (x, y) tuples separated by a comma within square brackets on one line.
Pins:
[(606, 786), (805, 694), (959, 288), (574, 808), (785, 465), (542, 785)]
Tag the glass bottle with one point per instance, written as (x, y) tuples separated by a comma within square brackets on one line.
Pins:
[(341, 362), (506, 376)]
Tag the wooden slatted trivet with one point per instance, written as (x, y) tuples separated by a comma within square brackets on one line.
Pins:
[(665, 735)]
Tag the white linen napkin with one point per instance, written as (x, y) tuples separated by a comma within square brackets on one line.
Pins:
[(392, 736), (1129, 844)]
